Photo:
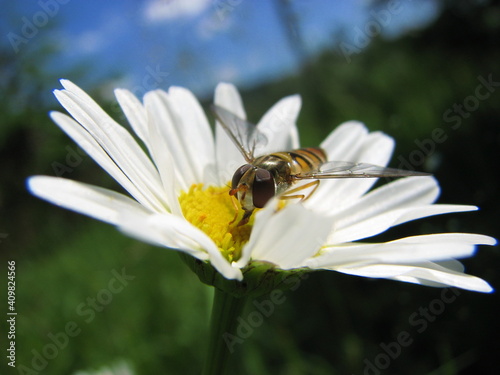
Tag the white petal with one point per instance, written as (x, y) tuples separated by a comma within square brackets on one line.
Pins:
[(176, 233), (404, 192), (286, 238), (96, 152), (374, 148), (151, 128), (114, 140), (399, 194), (113, 137), (161, 147), (227, 96), (228, 156), (347, 229), (262, 218), (96, 202), (146, 127), (171, 177), (430, 274), (344, 141), (179, 124), (278, 125), (195, 131), (377, 150), (165, 141), (432, 247), (135, 112)]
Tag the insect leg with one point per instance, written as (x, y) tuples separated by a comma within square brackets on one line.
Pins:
[(302, 197), (236, 209), (245, 218)]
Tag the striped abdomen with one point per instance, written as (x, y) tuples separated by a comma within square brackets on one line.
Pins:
[(303, 159)]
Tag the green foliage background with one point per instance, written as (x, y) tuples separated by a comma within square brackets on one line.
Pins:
[(333, 323)]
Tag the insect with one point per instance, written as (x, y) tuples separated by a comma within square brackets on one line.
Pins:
[(266, 176)]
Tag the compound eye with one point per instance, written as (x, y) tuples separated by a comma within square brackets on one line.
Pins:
[(238, 175), (263, 187)]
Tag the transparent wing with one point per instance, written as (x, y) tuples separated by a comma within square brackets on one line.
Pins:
[(346, 169), (245, 135)]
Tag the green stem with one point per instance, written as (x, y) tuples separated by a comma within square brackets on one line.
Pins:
[(225, 311)]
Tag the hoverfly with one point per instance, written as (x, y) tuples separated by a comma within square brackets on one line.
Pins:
[(266, 176)]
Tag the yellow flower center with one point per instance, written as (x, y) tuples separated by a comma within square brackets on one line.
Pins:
[(213, 211)]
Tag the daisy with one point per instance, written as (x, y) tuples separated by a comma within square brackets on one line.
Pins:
[(179, 193)]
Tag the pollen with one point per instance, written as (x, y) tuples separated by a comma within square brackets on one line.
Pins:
[(217, 214)]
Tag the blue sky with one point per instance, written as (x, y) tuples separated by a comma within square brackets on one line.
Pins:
[(197, 43)]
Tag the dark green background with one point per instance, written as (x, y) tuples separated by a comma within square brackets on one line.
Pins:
[(333, 323)]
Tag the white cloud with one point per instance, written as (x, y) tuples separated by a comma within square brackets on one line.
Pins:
[(160, 10), (90, 41), (211, 25), (95, 40), (227, 73)]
